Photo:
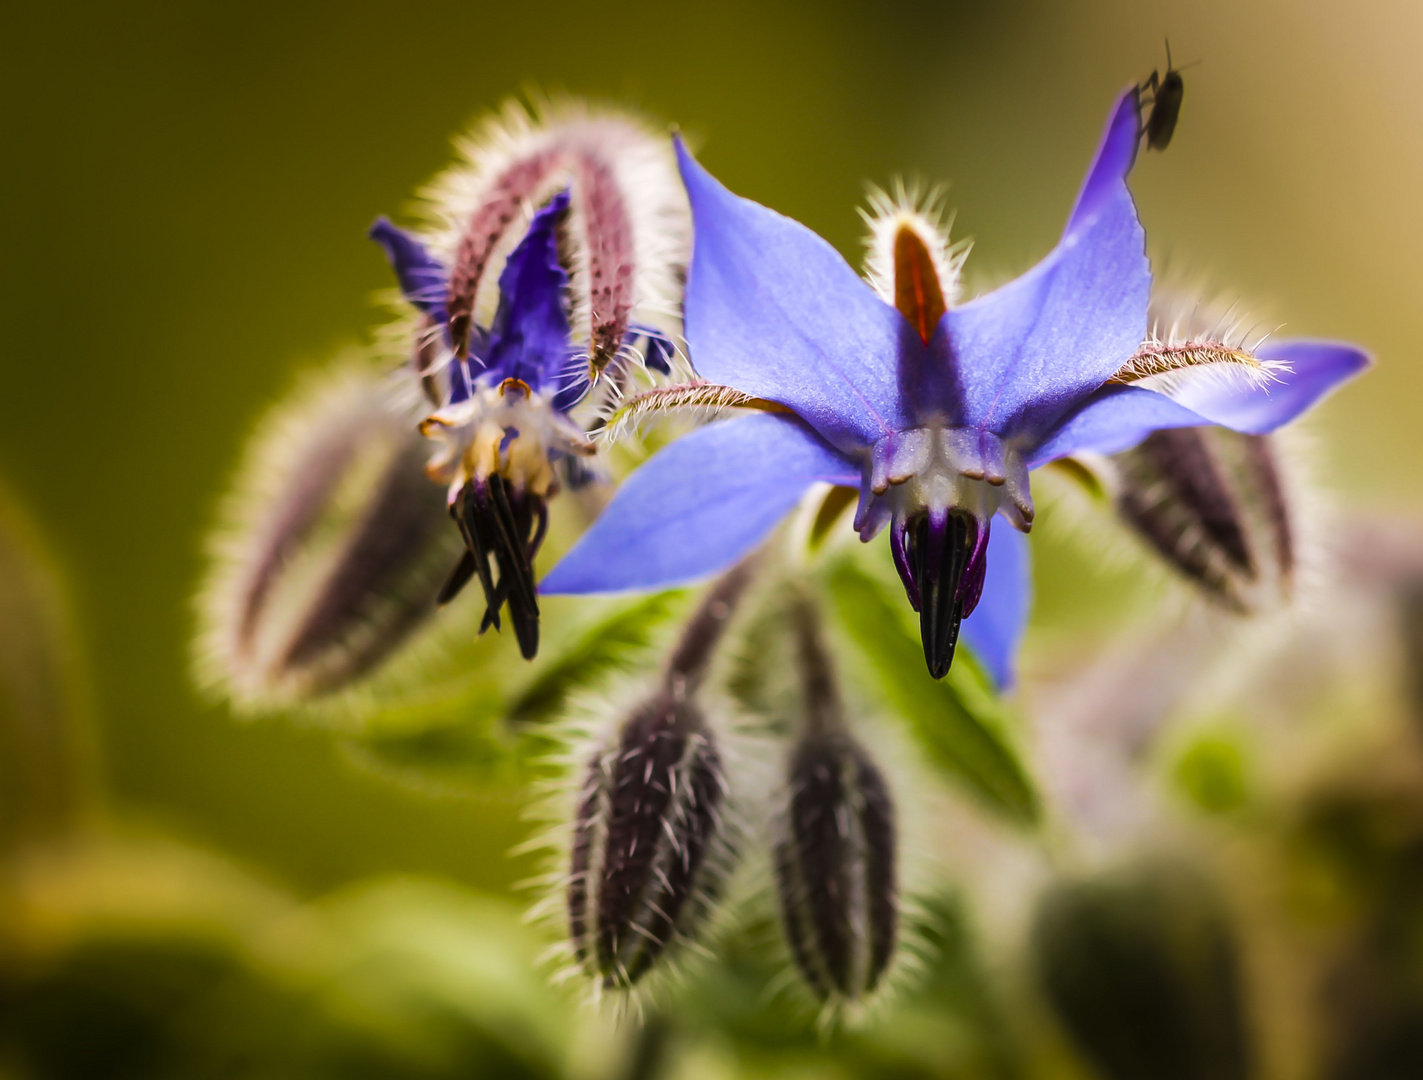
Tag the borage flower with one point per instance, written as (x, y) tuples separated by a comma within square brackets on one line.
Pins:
[(604, 242), (504, 425), (935, 413)]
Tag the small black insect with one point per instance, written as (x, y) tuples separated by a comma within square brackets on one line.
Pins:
[(1165, 101)]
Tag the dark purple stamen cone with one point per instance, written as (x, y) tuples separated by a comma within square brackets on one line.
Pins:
[(500, 523), (648, 814), (836, 844), (938, 555)]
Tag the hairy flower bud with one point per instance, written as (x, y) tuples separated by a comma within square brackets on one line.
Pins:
[(836, 842), (650, 808), (643, 869), (1143, 971), (1213, 504), (331, 550)]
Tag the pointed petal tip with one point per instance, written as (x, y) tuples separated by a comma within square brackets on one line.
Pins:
[(1345, 358), (1113, 162), (679, 145), (763, 285), (1312, 370)]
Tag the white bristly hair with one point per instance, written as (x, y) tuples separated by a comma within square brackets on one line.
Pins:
[(589, 728), (1192, 339), (560, 134), (282, 545), (922, 211)]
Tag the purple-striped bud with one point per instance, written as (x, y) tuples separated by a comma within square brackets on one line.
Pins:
[(649, 844), (836, 842), (331, 550), (1214, 505), (650, 809), (835, 868)]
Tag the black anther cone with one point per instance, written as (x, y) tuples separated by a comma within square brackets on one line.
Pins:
[(940, 605)]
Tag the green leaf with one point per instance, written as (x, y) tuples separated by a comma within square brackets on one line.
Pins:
[(470, 736), (626, 629), (457, 757), (959, 721)]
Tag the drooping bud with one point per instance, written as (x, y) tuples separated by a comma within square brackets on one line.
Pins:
[(331, 548), (836, 841), (1143, 971), (650, 808), (649, 837), (1213, 504)]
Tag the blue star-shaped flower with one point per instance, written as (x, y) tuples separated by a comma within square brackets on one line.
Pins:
[(937, 420), (502, 425)]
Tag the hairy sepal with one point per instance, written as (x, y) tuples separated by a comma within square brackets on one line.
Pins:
[(330, 549), (626, 241)]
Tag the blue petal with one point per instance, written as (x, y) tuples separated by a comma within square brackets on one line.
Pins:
[(995, 629), (1114, 160), (572, 383), (1028, 352), (1315, 369), (700, 504), (658, 350), (1116, 418), (529, 339), (774, 311), (459, 382), (422, 278)]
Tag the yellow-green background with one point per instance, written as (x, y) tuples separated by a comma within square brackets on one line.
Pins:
[(185, 190)]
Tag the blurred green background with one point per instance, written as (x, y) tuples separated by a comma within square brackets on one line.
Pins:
[(186, 187)]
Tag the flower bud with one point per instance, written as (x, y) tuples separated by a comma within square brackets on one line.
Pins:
[(643, 869), (332, 547), (1213, 504), (836, 842), (835, 868), (650, 808), (1143, 972)]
